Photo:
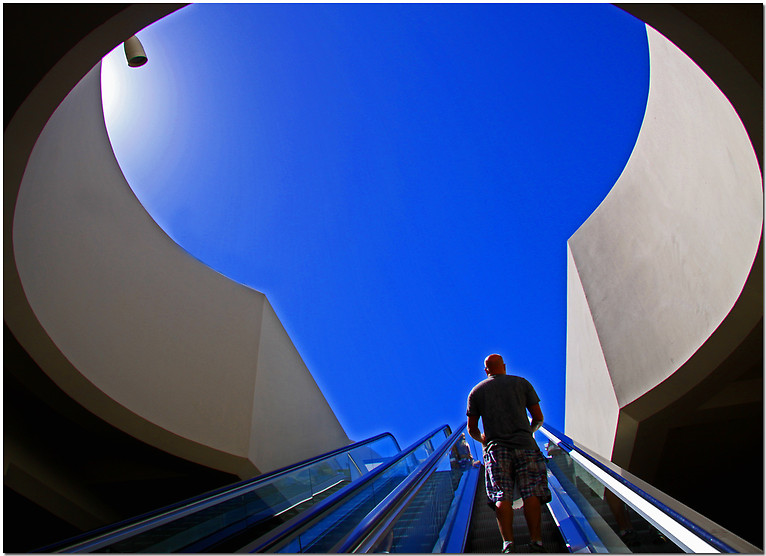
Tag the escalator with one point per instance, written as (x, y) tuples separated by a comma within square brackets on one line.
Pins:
[(225, 519), (596, 507), (373, 497)]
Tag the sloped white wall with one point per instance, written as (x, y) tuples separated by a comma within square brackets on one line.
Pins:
[(154, 341), (595, 423)]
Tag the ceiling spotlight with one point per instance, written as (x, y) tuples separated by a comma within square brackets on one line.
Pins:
[(134, 52)]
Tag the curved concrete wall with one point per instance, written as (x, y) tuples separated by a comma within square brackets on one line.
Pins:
[(663, 260), (140, 332)]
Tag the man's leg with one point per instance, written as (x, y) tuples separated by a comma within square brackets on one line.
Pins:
[(533, 515), (499, 482), (504, 515), (533, 484)]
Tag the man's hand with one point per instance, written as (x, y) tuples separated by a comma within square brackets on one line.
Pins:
[(473, 429), (537, 417)]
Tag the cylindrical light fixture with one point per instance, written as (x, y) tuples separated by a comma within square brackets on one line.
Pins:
[(134, 52)]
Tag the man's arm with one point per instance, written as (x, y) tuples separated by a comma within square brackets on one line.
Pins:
[(537, 417), (473, 429)]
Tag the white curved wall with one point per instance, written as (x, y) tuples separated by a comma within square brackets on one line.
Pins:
[(152, 340), (664, 258)]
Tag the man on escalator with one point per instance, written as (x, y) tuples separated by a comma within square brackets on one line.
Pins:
[(512, 458)]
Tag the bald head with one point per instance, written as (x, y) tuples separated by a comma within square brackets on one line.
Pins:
[(494, 365)]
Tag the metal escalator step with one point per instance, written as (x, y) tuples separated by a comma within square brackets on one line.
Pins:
[(484, 535), (417, 528)]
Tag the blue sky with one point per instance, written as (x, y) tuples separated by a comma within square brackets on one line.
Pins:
[(400, 180)]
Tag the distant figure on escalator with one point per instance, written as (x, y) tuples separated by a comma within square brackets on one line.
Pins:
[(511, 455), (465, 458)]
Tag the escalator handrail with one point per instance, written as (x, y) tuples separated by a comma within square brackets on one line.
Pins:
[(461, 526), (147, 520), (290, 527), (569, 445), (396, 500)]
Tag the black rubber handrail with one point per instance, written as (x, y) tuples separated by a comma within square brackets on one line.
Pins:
[(206, 497), (396, 500), (291, 527)]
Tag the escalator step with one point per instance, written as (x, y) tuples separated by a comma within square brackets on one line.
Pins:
[(484, 535)]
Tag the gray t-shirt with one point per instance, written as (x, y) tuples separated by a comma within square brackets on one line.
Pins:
[(502, 401)]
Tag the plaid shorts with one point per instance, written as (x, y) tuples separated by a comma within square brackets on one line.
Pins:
[(505, 468)]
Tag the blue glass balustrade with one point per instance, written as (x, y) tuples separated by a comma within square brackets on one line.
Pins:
[(374, 497), (221, 520)]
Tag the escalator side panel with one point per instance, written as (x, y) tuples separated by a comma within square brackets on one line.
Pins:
[(219, 518), (333, 521), (335, 525), (419, 516), (230, 541)]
